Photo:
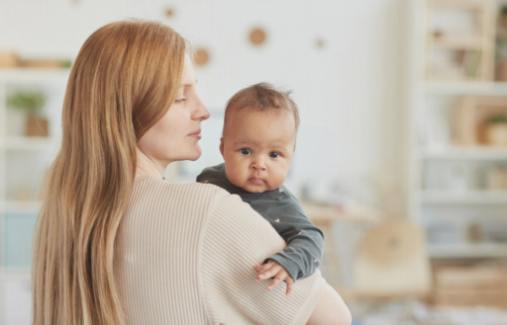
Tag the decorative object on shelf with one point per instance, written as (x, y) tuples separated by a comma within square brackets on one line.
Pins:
[(472, 120), (496, 130), (17, 240), (501, 45), (458, 52), (45, 63), (494, 231), (9, 59), (31, 102), (201, 57), (257, 36), (475, 233), (496, 178), (12, 59), (471, 285), (459, 177)]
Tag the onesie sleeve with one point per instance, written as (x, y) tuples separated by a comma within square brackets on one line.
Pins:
[(235, 238)]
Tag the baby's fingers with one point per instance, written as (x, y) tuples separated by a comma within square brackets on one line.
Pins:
[(276, 281), (289, 283), (268, 273)]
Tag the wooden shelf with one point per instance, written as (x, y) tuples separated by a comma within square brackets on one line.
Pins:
[(467, 250), (24, 75), (27, 143), (485, 88), (465, 197), (456, 43), (463, 153), (14, 273), (456, 4), (20, 206)]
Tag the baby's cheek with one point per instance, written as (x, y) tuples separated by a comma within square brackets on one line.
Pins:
[(239, 176), (275, 182)]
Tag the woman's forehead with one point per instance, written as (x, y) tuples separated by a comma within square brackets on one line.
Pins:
[(188, 77)]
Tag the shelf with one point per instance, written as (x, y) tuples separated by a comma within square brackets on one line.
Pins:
[(34, 75), (484, 88), (453, 4), (464, 197), (467, 250), (27, 143), (14, 273), (458, 153), (458, 44), (20, 206)]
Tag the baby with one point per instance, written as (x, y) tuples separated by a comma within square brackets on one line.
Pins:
[(258, 144)]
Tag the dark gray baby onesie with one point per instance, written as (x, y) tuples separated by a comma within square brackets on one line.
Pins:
[(304, 241)]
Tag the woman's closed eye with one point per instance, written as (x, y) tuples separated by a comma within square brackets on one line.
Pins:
[(180, 100)]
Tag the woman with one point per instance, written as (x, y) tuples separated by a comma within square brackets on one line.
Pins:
[(115, 243)]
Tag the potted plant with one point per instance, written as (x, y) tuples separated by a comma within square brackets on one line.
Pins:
[(31, 102), (496, 130)]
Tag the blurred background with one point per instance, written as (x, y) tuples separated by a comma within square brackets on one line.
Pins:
[(402, 149)]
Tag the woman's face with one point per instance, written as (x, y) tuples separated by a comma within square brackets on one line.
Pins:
[(176, 135)]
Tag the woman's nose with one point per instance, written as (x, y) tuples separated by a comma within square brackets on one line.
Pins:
[(201, 112)]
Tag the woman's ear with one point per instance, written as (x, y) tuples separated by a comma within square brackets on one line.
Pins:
[(222, 146)]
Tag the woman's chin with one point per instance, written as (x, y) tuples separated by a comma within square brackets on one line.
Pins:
[(195, 155)]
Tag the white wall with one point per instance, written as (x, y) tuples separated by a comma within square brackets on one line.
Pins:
[(349, 93)]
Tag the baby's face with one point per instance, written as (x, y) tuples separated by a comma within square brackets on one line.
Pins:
[(258, 147)]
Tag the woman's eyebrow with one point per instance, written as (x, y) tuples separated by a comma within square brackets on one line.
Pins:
[(189, 84)]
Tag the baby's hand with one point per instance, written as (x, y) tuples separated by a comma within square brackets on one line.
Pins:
[(273, 270)]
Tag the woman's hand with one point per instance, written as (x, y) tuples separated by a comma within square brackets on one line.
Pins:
[(273, 270)]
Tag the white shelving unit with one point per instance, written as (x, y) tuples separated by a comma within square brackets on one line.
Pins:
[(450, 204), (463, 198), (23, 163), (459, 153), (468, 251), (483, 88)]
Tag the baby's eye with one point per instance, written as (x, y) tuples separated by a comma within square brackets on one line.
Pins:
[(274, 154), (245, 151)]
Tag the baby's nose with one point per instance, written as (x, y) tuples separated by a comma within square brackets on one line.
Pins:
[(259, 164)]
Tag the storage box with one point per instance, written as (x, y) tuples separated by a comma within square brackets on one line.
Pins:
[(481, 285)]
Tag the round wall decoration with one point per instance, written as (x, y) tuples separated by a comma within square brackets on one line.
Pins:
[(201, 56), (258, 36)]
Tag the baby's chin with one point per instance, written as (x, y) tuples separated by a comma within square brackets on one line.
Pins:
[(254, 190), (251, 188)]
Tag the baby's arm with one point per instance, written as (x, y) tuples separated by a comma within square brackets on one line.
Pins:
[(305, 242), (273, 270)]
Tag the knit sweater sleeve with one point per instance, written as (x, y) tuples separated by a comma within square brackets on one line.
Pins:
[(235, 238)]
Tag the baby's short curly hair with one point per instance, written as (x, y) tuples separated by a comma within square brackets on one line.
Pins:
[(262, 96)]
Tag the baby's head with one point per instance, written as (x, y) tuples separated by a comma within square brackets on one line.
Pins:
[(259, 137)]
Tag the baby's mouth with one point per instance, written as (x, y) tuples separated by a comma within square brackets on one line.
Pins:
[(256, 180)]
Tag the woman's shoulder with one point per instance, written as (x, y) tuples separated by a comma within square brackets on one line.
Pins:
[(156, 192), (208, 203), (164, 186)]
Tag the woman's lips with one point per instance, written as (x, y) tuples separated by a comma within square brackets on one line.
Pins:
[(196, 134)]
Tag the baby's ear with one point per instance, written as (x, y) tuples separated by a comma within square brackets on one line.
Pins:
[(222, 146)]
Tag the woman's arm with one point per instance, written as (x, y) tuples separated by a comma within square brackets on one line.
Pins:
[(235, 240), (330, 309)]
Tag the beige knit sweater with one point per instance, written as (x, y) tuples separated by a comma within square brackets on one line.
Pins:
[(186, 255)]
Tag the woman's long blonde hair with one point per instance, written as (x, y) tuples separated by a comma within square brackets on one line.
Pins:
[(124, 79)]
